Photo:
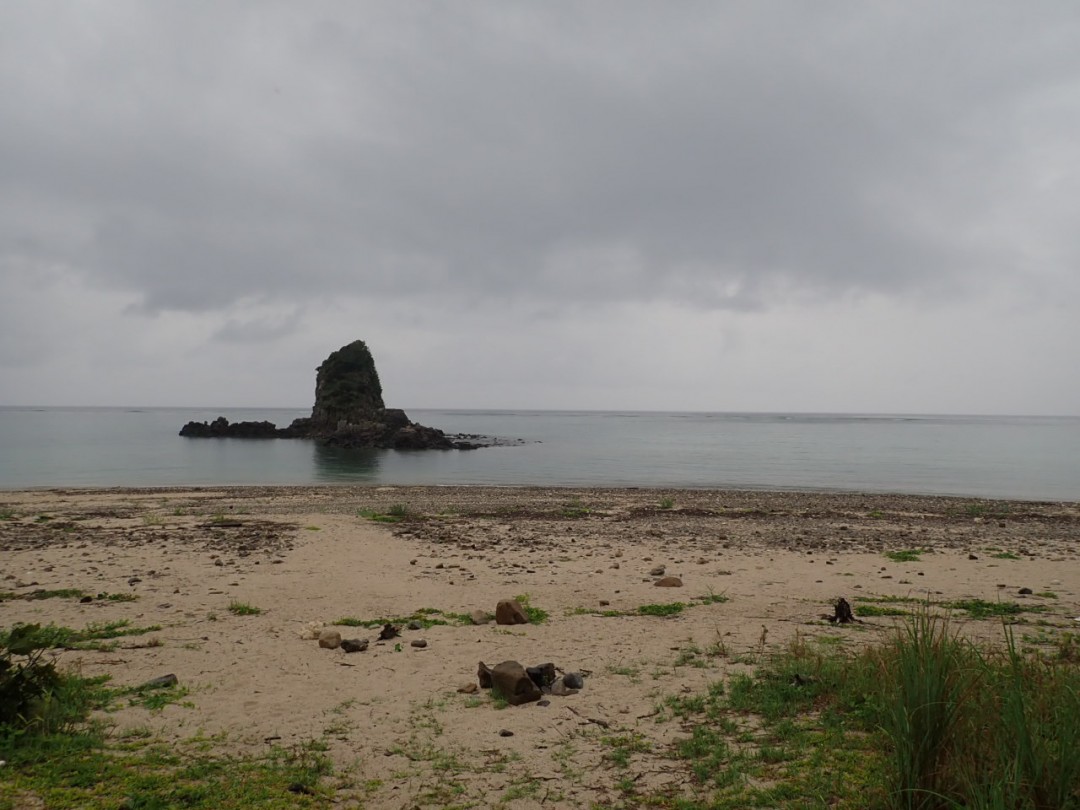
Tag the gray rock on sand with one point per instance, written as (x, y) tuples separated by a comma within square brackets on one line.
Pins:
[(510, 680), (657, 571), (329, 639), (560, 688), (351, 645), (574, 680), (479, 617), (419, 643), (668, 582), (509, 611)]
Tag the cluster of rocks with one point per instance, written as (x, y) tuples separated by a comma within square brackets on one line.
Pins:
[(349, 412), (518, 684)]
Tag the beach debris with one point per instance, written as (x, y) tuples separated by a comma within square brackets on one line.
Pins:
[(513, 683), (509, 611), (163, 682), (657, 571), (668, 582), (419, 643), (560, 687), (542, 675), (842, 613), (329, 639), (389, 631), (351, 645), (480, 617)]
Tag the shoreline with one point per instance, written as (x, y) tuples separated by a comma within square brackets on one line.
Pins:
[(759, 569)]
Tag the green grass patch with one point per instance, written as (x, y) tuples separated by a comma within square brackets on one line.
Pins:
[(1005, 555), (667, 503), (243, 609), (427, 617), (905, 555), (880, 610), (536, 615), (922, 721), (982, 609), (669, 609)]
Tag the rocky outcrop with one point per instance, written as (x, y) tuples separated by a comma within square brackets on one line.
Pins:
[(348, 412)]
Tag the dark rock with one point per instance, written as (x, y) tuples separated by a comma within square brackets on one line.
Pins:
[(419, 643), (351, 645), (483, 675), (163, 682), (513, 683), (973, 556), (86, 599), (415, 625), (349, 412), (658, 571), (544, 702), (574, 680), (1025, 591), (509, 611), (505, 732), (560, 688), (388, 632), (542, 675)]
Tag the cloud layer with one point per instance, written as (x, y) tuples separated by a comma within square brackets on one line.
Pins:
[(185, 186)]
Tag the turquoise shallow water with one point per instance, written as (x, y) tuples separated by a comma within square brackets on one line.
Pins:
[(998, 457)]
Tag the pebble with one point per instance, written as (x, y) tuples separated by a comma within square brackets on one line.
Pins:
[(469, 689), (329, 639), (415, 625), (351, 645), (668, 582), (657, 571), (419, 643), (505, 732), (1025, 591)]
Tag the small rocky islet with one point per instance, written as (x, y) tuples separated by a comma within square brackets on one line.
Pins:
[(349, 413)]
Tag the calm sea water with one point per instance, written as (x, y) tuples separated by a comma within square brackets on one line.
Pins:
[(999, 457)]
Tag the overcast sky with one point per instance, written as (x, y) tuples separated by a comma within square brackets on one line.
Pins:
[(779, 206)]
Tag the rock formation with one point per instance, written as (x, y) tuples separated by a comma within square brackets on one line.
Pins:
[(348, 412)]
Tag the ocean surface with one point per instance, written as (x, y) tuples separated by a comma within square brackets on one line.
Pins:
[(1035, 458)]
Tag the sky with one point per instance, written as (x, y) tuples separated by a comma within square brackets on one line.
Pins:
[(613, 204)]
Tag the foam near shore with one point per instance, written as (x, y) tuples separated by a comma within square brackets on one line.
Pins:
[(758, 568)]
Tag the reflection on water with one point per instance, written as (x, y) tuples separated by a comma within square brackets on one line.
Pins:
[(338, 464)]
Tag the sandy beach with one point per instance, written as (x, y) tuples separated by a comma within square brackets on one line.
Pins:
[(758, 569)]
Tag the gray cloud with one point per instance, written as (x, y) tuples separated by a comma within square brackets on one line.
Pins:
[(197, 157)]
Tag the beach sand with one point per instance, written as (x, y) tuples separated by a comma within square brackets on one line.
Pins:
[(759, 569)]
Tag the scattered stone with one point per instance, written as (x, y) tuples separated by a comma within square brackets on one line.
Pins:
[(419, 643), (505, 732), (163, 682), (389, 632), (657, 571), (668, 582), (415, 625), (509, 611), (86, 599), (561, 689), (311, 631), (351, 645), (542, 675), (469, 689), (544, 702), (510, 680), (604, 602), (483, 675), (573, 680), (973, 556), (479, 617), (329, 639), (842, 613), (219, 562), (1025, 591)]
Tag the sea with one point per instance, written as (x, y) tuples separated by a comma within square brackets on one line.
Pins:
[(1014, 457)]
